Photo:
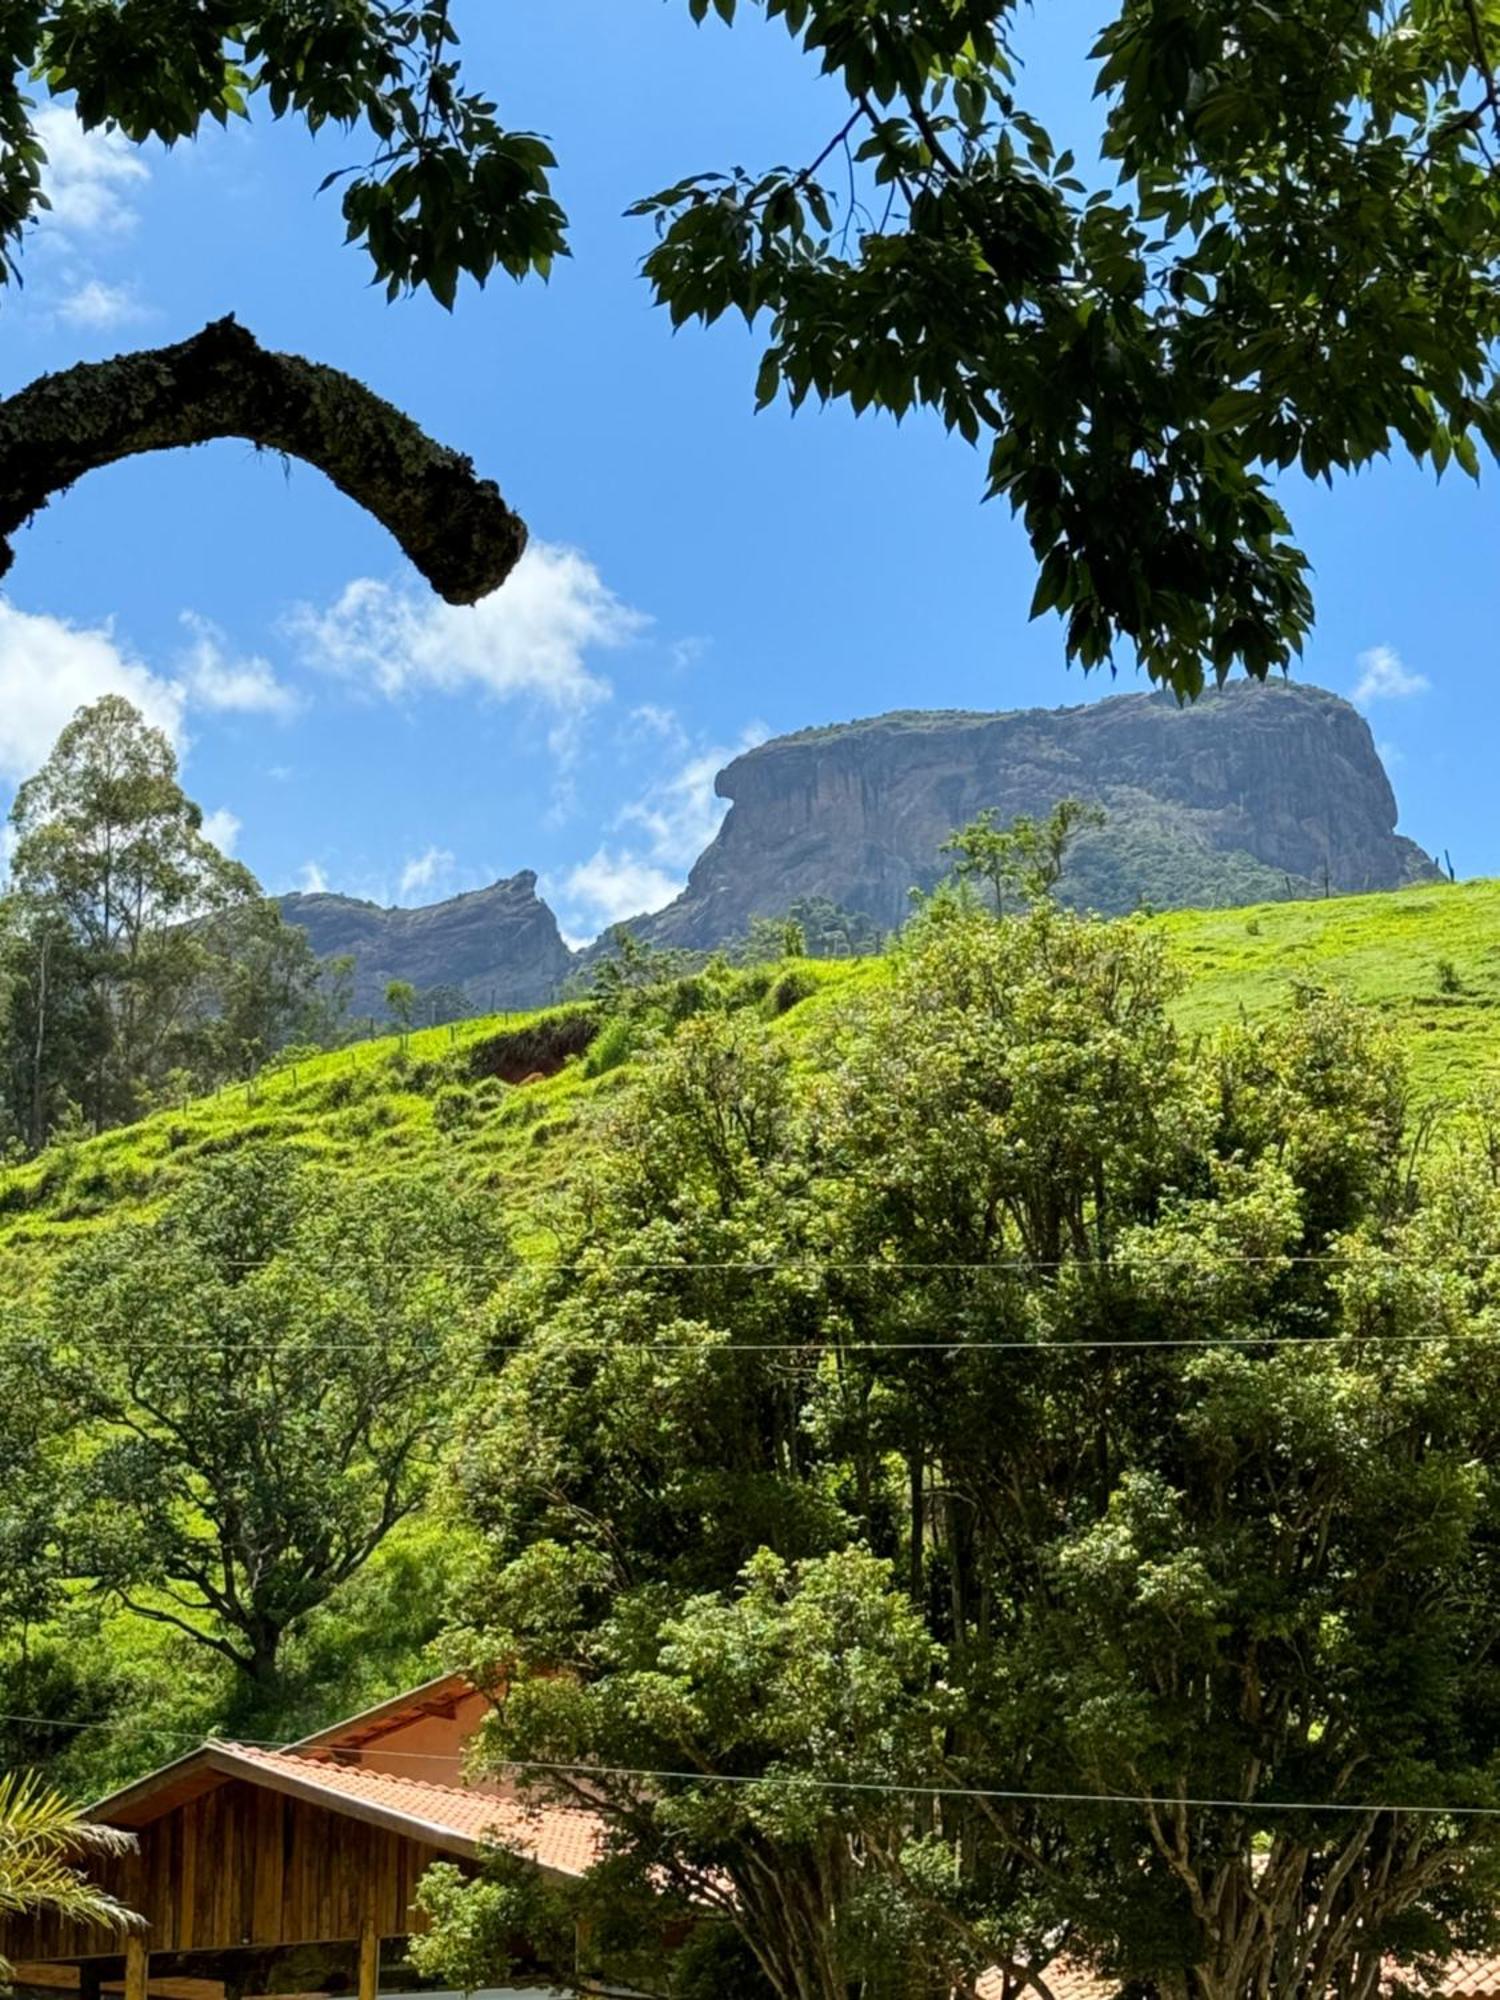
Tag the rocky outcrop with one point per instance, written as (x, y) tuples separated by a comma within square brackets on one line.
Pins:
[(1251, 792), (499, 946)]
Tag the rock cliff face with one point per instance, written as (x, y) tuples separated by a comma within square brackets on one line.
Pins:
[(500, 946), (1251, 792)]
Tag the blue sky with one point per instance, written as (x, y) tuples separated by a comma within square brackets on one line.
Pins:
[(701, 576)]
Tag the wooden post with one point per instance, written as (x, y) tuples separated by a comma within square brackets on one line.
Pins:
[(137, 1966), (369, 1960)]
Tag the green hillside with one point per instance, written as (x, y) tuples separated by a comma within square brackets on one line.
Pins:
[(510, 1104), (1428, 957), (508, 1100)]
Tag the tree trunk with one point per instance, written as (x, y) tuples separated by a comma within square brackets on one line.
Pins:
[(454, 526), (39, 1046)]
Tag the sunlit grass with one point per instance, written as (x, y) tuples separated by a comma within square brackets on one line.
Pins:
[(1428, 958)]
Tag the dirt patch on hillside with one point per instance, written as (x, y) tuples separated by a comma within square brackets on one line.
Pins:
[(533, 1053)]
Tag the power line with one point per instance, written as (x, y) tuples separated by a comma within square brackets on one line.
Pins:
[(826, 1345), (883, 1787)]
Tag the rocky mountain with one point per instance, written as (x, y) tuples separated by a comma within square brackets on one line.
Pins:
[(1253, 793), (500, 947)]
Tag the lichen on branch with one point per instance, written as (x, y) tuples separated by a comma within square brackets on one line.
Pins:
[(453, 525)]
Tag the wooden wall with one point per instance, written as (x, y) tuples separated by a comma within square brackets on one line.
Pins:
[(245, 1866)]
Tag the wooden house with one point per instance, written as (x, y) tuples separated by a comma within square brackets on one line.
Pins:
[(292, 1872)]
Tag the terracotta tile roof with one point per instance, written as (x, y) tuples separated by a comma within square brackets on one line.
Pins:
[(565, 1841), (1066, 1980), (1463, 1979), (1472, 1978)]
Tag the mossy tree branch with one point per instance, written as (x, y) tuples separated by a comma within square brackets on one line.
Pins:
[(453, 525)]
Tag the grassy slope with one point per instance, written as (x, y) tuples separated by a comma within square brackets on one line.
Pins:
[(371, 1109), (1396, 951), (1430, 957)]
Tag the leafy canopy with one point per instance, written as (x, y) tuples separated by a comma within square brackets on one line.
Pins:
[(448, 190), (1285, 255), (260, 1379), (1024, 1401), (132, 952)]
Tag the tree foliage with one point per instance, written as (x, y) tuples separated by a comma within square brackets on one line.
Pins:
[(1284, 255), (130, 947), (1025, 1479), (1023, 861), (260, 1379), (448, 190)]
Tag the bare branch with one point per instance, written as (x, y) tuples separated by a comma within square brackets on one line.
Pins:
[(454, 526)]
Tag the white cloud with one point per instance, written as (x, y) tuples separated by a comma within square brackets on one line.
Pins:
[(423, 871), (649, 719), (222, 827), (312, 881), (89, 176), (610, 886), (212, 678), (50, 669), (677, 816), (680, 814), (98, 306), (1384, 676), (530, 640)]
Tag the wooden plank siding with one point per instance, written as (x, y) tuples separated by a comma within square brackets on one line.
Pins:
[(244, 1865)]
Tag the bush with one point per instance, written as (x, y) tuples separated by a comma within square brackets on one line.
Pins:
[(453, 1108), (1447, 977), (793, 986), (614, 1043)]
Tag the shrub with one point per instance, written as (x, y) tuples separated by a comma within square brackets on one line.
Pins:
[(611, 1046), (453, 1108), (793, 986), (1447, 977)]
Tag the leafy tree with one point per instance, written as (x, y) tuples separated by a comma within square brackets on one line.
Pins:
[(259, 989), (1024, 860), (831, 931), (117, 893), (42, 1838), (630, 972), (1283, 257), (770, 939), (48, 1029), (261, 1376), (401, 1000), (33, 1475), (333, 997), (1288, 205), (1156, 1376)]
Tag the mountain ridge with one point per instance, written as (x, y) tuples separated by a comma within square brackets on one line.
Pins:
[(1253, 793)]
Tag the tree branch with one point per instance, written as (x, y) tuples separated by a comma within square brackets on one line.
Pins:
[(454, 526)]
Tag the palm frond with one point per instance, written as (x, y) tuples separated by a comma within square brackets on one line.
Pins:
[(41, 1834)]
